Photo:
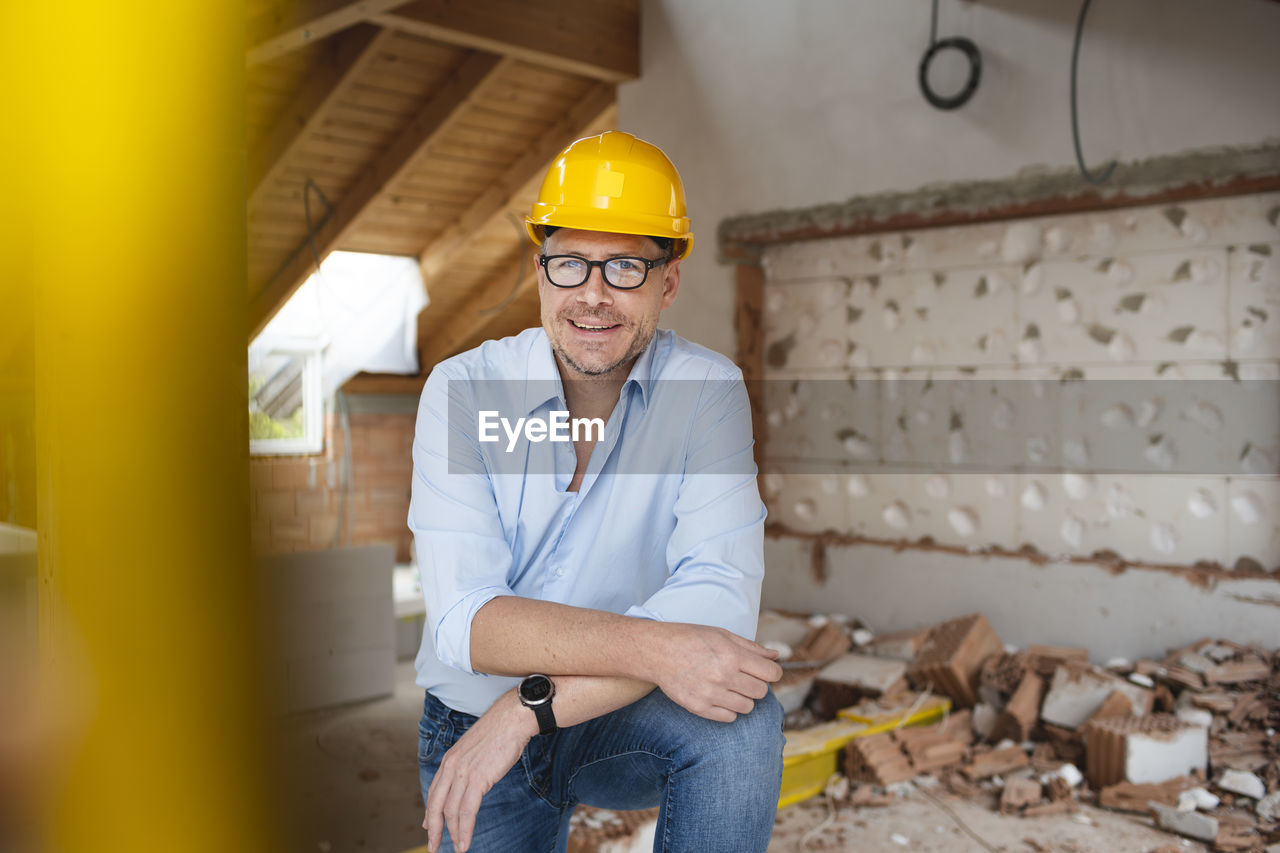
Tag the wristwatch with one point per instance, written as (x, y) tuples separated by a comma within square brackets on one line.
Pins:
[(535, 692)]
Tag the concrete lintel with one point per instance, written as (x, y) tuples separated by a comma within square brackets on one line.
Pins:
[(1033, 191)]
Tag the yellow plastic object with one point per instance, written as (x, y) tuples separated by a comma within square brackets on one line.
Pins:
[(881, 718), (809, 759), (811, 756), (805, 775), (617, 183)]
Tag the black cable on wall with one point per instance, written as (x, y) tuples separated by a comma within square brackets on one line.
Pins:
[(1075, 119), (965, 46)]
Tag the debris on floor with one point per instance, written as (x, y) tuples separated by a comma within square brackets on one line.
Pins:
[(607, 831), (1189, 741), (1186, 744)]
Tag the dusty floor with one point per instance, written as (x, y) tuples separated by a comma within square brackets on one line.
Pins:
[(355, 774), (917, 823), (356, 789)]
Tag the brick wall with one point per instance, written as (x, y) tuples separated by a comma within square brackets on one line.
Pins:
[(296, 501)]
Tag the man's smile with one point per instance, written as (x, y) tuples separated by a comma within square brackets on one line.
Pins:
[(593, 326)]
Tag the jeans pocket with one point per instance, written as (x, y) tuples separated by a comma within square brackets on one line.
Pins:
[(536, 763), (427, 740)]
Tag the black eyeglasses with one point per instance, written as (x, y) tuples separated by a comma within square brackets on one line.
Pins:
[(620, 273)]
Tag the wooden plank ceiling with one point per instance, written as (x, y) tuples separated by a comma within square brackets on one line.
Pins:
[(420, 129)]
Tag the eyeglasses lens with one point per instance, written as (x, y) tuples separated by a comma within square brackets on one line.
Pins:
[(571, 271)]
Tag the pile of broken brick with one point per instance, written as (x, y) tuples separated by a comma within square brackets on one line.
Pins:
[(593, 830), (1190, 740)]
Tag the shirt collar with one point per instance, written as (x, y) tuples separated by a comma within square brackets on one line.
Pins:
[(543, 377), (641, 374)]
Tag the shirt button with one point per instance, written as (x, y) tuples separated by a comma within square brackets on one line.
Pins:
[(559, 573)]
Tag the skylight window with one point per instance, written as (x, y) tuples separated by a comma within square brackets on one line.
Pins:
[(359, 312)]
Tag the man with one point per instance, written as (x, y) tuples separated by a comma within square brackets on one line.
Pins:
[(566, 579)]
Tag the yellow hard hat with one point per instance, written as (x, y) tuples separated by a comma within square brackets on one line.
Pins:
[(616, 183)]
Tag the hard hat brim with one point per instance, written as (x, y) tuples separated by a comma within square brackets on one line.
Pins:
[(643, 226)]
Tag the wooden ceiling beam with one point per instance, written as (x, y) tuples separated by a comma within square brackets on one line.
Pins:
[(384, 383), (477, 312), (296, 24), (464, 85), (593, 38), (596, 108), (352, 53)]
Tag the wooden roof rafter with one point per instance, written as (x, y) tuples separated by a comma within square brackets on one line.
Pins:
[(590, 111), (439, 340), (302, 22), (593, 38), (476, 312), (435, 118), (353, 51), (426, 125)]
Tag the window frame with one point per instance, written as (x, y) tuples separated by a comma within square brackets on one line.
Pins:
[(312, 440)]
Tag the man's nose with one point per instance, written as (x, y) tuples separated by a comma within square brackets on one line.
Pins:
[(595, 290)]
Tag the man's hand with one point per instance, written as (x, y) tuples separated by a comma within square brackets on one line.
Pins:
[(714, 673), (472, 766)]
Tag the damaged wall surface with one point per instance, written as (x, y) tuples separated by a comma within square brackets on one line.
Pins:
[(1132, 614), (1038, 389), (1081, 384), (760, 127), (767, 106)]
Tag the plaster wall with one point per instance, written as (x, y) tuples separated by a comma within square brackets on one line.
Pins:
[(766, 105), (1133, 614), (891, 416), (1087, 384)]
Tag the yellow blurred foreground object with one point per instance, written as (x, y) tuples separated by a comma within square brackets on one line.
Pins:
[(125, 189)]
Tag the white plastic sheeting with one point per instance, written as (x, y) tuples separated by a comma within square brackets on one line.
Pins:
[(361, 311)]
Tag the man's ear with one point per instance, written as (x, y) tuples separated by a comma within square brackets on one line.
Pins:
[(670, 282), (538, 270)]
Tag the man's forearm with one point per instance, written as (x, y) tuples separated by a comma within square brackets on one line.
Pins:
[(517, 636), (709, 671), (489, 748), (584, 697)]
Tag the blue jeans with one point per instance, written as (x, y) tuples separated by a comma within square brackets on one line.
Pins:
[(716, 783)]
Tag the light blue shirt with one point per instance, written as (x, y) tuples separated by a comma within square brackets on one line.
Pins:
[(667, 523)]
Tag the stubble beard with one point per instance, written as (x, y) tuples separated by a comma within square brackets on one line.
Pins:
[(638, 345)]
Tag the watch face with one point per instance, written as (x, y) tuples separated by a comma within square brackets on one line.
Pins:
[(535, 688)]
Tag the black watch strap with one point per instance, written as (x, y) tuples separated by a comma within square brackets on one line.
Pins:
[(546, 718), (536, 692)]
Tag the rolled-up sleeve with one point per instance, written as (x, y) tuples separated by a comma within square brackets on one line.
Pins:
[(716, 552), (463, 556)]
